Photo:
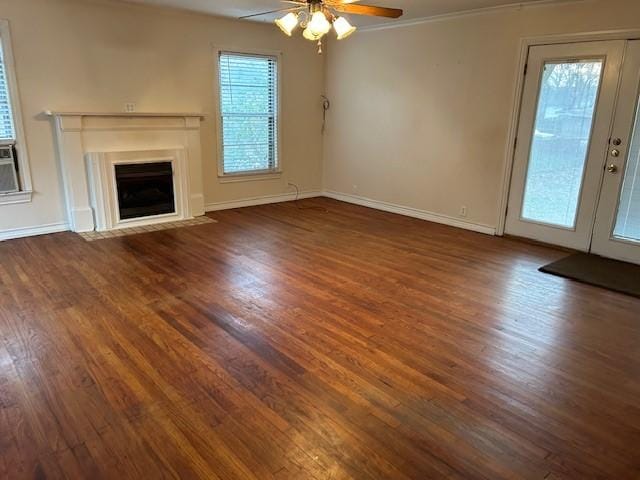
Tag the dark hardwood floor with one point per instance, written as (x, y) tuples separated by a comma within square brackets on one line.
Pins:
[(292, 343)]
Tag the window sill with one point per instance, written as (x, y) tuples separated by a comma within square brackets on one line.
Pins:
[(16, 197), (249, 177)]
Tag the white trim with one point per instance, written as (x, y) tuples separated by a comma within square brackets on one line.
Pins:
[(510, 147), (580, 37), (411, 212), (246, 176), (16, 108), (263, 200), (103, 190), (31, 231), (197, 204), (514, 123), (250, 176), (265, 52), (23, 196), (73, 133), (466, 13), (288, 197), (55, 113)]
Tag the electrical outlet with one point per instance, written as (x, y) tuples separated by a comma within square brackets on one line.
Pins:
[(463, 211), (129, 107)]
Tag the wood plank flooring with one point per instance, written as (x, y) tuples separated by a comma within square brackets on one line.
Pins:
[(288, 342)]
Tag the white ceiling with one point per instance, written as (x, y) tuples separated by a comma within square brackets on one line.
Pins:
[(412, 8)]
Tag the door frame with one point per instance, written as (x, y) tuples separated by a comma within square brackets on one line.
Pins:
[(514, 123)]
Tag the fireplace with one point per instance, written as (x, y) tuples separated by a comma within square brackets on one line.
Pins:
[(145, 189), (138, 188), (91, 146)]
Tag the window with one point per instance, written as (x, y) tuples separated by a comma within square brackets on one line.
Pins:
[(14, 167), (7, 132), (248, 113)]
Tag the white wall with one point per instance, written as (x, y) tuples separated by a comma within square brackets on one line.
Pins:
[(85, 55), (420, 114)]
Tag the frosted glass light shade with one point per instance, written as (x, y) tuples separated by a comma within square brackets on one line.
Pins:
[(318, 25), (288, 23), (343, 28), (309, 35)]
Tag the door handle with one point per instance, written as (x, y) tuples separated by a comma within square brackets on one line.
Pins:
[(612, 169)]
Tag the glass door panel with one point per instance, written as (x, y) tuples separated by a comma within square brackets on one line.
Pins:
[(628, 220), (561, 138)]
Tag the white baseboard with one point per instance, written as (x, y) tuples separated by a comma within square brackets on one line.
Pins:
[(31, 231), (266, 199), (410, 212), (287, 197)]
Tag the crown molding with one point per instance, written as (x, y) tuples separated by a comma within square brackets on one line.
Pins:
[(467, 13)]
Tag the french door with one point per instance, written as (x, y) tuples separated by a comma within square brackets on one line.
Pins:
[(576, 171), (616, 231)]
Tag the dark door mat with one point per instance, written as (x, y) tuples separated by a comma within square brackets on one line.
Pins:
[(599, 271)]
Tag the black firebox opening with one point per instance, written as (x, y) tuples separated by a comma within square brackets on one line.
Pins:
[(145, 189)]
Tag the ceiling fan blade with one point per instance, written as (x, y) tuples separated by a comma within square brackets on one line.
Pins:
[(358, 9), (269, 12)]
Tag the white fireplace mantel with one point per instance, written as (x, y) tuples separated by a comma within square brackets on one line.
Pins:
[(54, 113), (82, 134)]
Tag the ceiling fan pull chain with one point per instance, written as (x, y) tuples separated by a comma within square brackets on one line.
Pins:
[(320, 47)]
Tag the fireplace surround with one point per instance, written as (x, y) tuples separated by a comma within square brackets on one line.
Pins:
[(136, 188), (91, 145)]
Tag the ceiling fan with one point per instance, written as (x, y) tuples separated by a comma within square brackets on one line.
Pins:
[(316, 17)]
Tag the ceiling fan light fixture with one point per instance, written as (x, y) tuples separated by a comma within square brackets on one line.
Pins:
[(288, 23), (317, 17), (343, 28), (318, 25)]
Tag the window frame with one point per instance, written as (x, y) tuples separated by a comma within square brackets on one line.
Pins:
[(26, 188), (255, 174)]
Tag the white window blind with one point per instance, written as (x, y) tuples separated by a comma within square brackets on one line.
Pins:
[(7, 131), (249, 112)]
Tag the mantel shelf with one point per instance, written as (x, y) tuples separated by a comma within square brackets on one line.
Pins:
[(52, 113)]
